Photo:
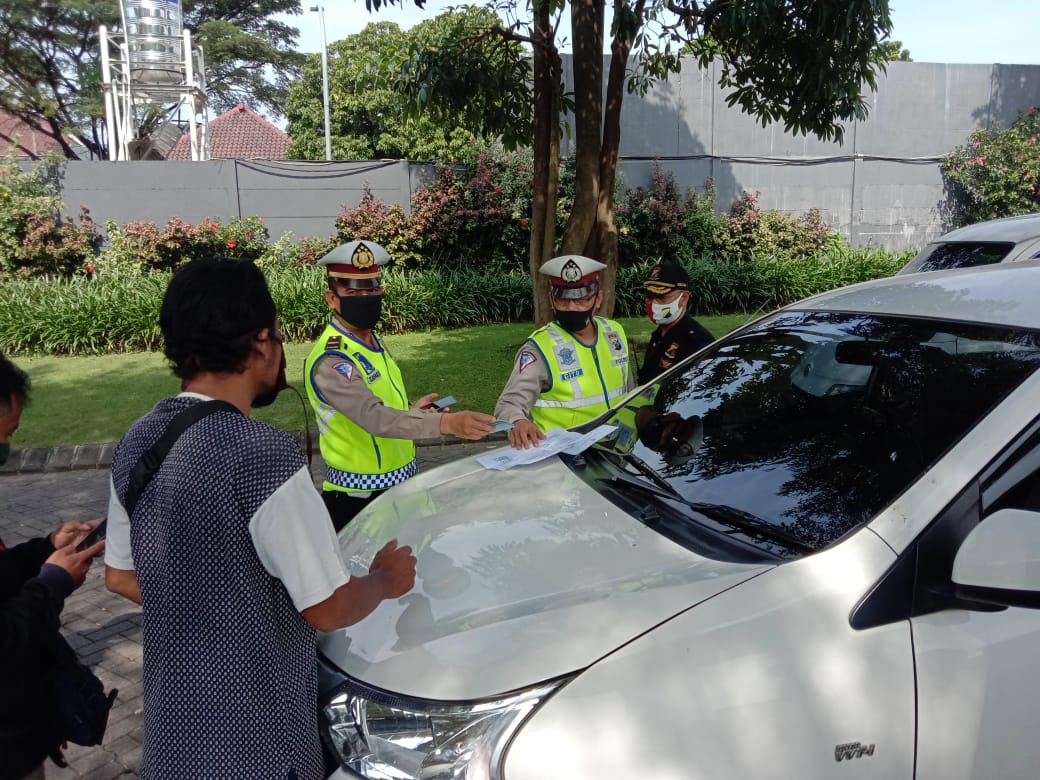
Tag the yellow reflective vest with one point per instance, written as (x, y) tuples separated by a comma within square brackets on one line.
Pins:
[(357, 461), (584, 380)]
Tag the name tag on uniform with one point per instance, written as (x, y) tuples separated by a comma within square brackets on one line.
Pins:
[(370, 371), (618, 361), (572, 374)]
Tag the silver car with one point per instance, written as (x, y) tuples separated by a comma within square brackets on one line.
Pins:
[(995, 241), (810, 550)]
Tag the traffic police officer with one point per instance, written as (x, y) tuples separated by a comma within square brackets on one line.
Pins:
[(572, 369), (678, 334), (366, 424)]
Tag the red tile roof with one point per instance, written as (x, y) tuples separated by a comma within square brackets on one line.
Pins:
[(27, 140), (240, 133)]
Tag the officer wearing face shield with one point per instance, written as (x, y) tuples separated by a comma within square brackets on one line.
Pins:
[(678, 334), (366, 424), (572, 369)]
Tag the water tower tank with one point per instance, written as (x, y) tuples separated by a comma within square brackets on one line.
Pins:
[(154, 40)]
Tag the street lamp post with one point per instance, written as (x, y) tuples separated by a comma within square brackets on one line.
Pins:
[(324, 80)]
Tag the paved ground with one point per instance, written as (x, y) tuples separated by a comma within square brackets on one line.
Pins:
[(40, 489)]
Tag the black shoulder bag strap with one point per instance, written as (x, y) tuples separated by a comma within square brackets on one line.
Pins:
[(156, 454)]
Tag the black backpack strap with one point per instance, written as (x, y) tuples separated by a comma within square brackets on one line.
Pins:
[(156, 454)]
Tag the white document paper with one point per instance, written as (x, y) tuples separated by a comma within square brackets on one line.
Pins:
[(556, 441)]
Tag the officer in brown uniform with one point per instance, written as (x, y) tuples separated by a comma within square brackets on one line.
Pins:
[(678, 334), (571, 370), (367, 426)]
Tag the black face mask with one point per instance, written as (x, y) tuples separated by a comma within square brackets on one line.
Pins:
[(573, 321), (268, 397), (361, 311)]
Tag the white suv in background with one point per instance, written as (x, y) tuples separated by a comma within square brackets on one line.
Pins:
[(810, 550), (995, 241)]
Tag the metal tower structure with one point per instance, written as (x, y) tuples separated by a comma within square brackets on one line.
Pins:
[(154, 83)]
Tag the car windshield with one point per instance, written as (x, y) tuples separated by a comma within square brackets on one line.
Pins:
[(803, 427), (959, 254)]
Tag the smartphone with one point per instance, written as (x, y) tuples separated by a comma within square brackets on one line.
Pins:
[(444, 403), (501, 425), (95, 536)]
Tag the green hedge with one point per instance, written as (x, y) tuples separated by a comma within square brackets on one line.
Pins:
[(120, 314)]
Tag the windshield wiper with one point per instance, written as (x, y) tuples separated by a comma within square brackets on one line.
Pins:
[(721, 513), (644, 468), (746, 521)]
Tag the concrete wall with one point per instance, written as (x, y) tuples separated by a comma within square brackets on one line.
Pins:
[(883, 186), (299, 197)]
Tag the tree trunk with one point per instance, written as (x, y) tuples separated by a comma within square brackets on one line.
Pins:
[(547, 71), (587, 29), (604, 239)]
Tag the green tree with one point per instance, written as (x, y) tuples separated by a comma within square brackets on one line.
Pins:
[(894, 51), (49, 73), (800, 62), (251, 57), (997, 172), (50, 59), (368, 118)]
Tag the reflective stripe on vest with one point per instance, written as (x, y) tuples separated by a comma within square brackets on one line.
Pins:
[(585, 380), (354, 457)]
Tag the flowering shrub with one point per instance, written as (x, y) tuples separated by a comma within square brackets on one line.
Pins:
[(59, 249), (748, 232), (142, 246), (995, 173), (374, 220), (652, 222), (28, 202)]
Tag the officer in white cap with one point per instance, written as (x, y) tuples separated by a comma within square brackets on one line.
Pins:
[(366, 424), (574, 368)]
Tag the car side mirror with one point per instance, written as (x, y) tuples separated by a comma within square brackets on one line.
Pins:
[(999, 561)]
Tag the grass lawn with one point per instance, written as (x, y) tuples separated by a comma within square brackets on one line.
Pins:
[(81, 400)]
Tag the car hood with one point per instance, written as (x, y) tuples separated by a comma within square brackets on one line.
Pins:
[(522, 576)]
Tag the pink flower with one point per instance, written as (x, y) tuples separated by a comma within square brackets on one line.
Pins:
[(214, 227), (1032, 109), (3, 171), (261, 220), (232, 243), (707, 182), (498, 189), (89, 268), (472, 140), (523, 169), (978, 144), (523, 222)]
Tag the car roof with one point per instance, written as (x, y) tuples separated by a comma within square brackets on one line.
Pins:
[(1002, 294), (1014, 229)]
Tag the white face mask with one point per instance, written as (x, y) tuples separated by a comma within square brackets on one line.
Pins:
[(665, 313)]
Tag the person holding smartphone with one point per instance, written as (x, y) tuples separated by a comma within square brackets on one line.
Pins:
[(35, 579), (366, 424)]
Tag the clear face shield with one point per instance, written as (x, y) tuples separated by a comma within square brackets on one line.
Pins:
[(587, 290), (363, 284)]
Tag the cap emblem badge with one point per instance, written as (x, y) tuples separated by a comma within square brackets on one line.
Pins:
[(362, 257)]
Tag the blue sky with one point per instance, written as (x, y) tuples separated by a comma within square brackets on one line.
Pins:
[(958, 31)]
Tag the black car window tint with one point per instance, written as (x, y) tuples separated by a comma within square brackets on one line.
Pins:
[(816, 421), (965, 255)]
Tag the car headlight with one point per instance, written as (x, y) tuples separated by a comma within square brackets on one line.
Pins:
[(383, 736)]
